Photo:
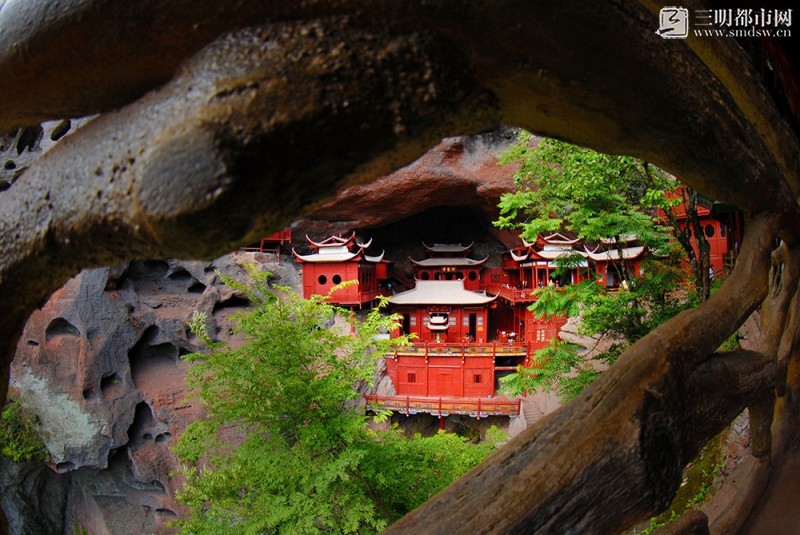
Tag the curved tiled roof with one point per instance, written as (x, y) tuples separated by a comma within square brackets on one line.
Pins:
[(440, 293), (331, 241), (332, 256), (448, 247), (629, 253)]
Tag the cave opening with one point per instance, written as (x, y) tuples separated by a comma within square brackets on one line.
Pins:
[(694, 107)]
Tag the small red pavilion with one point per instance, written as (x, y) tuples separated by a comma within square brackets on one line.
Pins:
[(450, 262), (336, 260), (522, 271), (534, 264), (617, 261)]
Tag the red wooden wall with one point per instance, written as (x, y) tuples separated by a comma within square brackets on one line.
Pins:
[(441, 376), (319, 278)]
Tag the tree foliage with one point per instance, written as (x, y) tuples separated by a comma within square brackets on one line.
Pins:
[(594, 196), (306, 462)]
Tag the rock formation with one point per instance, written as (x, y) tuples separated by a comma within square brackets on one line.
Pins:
[(460, 174), (100, 366)]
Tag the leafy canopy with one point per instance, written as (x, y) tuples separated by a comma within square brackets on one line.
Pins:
[(595, 197), (306, 462)]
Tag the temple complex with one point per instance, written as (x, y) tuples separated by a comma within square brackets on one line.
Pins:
[(470, 323)]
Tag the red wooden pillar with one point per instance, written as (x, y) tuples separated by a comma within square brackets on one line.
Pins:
[(427, 373)]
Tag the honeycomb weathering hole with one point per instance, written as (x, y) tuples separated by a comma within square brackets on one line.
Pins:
[(61, 327), (111, 386)]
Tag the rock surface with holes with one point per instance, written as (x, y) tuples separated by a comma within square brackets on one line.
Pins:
[(100, 366), (23, 146)]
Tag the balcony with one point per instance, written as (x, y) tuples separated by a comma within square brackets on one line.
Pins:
[(464, 349), (475, 408), (513, 295)]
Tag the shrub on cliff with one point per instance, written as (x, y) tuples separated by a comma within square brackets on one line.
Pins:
[(19, 440), (308, 463)]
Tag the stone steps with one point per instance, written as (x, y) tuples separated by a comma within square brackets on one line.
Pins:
[(531, 411)]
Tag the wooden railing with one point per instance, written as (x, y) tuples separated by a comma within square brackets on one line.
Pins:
[(272, 243), (464, 349), (512, 294), (475, 407)]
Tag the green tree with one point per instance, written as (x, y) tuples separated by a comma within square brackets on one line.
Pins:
[(306, 461), (596, 197), (699, 259)]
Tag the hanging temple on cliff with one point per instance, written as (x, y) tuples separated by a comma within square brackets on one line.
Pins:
[(471, 323)]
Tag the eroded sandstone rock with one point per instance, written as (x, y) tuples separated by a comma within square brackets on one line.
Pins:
[(459, 173), (100, 367)]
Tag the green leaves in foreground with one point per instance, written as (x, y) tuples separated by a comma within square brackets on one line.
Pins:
[(305, 462), (556, 368)]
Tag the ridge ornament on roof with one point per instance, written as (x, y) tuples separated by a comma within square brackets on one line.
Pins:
[(331, 241)]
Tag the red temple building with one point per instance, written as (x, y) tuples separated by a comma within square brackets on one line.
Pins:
[(450, 262), (472, 326), (446, 358), (522, 271), (336, 260), (443, 311), (617, 262), (447, 303), (723, 228), (534, 265)]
